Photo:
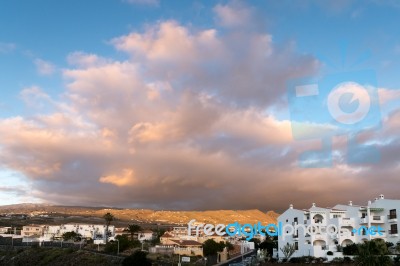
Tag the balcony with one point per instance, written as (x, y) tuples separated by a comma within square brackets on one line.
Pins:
[(346, 222), (372, 219), (392, 218)]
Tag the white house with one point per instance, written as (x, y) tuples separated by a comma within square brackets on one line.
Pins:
[(316, 230), (94, 231), (146, 235)]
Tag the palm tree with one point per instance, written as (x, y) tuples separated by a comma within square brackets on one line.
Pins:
[(108, 217), (132, 229)]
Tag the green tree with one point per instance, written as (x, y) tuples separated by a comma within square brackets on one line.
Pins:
[(373, 253), (210, 247), (124, 244), (108, 217), (139, 258), (132, 229), (351, 249), (71, 236), (269, 244), (256, 241)]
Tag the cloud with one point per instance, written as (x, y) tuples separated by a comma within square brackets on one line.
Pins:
[(6, 48), (182, 121), (234, 14), (44, 67), (127, 177), (243, 68), (81, 59)]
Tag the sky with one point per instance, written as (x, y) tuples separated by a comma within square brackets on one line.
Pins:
[(185, 105)]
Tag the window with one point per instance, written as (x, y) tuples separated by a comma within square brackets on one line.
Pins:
[(296, 245), (393, 229), (363, 215), (364, 231), (392, 214), (295, 220)]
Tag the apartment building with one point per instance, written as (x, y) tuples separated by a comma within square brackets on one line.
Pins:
[(96, 232), (319, 230), (33, 230)]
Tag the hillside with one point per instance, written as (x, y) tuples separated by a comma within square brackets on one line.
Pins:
[(145, 215), (55, 256)]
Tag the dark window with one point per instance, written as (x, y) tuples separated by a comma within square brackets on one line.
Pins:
[(296, 245), (364, 231), (393, 229), (392, 214), (363, 215), (295, 220)]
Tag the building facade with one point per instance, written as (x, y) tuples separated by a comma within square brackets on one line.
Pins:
[(316, 230), (33, 230), (87, 231)]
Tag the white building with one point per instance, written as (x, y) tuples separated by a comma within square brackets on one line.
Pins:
[(320, 230), (33, 230), (94, 231), (146, 235)]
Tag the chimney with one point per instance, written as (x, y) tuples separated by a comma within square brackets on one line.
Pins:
[(313, 205), (291, 206), (350, 203), (381, 196), (369, 202)]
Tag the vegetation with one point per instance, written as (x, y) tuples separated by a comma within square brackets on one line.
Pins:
[(307, 260), (159, 233), (256, 241), (269, 244), (108, 217), (210, 247), (139, 258), (132, 229), (56, 257), (288, 250), (350, 250), (72, 236), (373, 253), (124, 244)]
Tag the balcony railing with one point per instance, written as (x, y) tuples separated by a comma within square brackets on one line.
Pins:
[(393, 232), (392, 216)]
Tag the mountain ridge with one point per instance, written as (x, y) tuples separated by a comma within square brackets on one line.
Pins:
[(145, 215)]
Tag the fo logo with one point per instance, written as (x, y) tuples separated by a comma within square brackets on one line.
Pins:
[(344, 103)]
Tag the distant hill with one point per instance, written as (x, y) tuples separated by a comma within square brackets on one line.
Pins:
[(145, 215)]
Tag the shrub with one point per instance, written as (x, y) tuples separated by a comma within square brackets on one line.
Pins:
[(138, 258), (338, 260), (347, 260), (350, 249)]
